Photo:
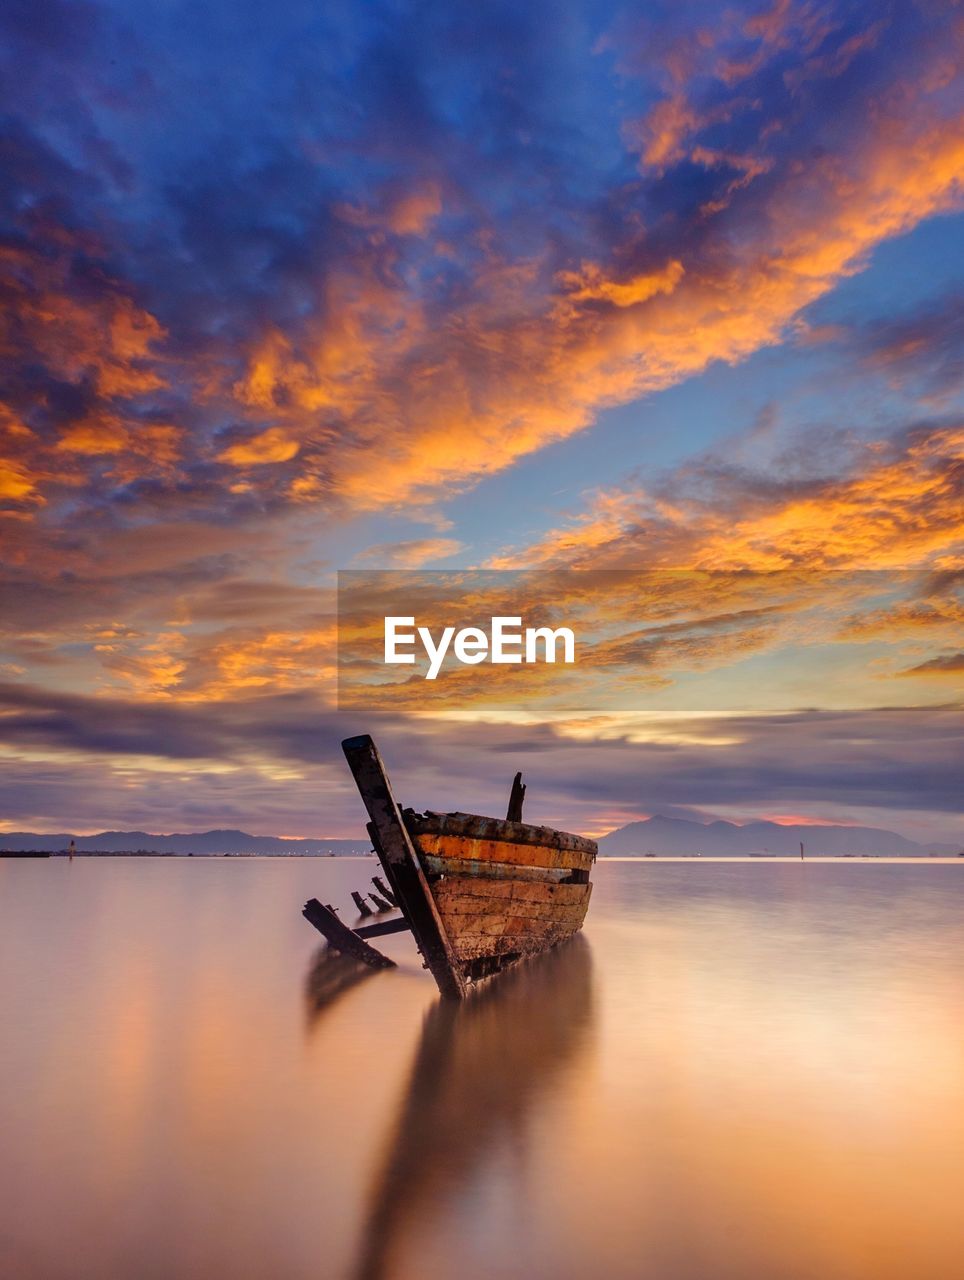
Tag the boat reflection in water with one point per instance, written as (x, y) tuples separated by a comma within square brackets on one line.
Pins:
[(331, 976), (480, 1066)]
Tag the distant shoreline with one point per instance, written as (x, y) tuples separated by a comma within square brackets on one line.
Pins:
[(621, 857), (157, 853)]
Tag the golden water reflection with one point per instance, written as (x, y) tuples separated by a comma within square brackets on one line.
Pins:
[(481, 1068), (743, 1071)]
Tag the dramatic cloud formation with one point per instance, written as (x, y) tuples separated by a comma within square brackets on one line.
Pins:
[(293, 289), (900, 505), (277, 761)]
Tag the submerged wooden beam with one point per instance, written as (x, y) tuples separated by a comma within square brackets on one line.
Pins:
[(380, 903), (378, 930), (340, 937), (401, 865), (363, 908), (384, 890)]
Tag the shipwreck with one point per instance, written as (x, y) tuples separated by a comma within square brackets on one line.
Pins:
[(478, 894)]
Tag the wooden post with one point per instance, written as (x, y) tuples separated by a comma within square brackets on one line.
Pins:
[(380, 903), (516, 797), (401, 865), (363, 908)]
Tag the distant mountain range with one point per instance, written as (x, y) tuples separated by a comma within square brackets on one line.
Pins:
[(661, 835), (205, 842), (656, 835)]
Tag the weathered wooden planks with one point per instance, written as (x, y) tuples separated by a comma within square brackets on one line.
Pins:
[(479, 828), (480, 909), (515, 943), (471, 849), (494, 918), (504, 891), (493, 870)]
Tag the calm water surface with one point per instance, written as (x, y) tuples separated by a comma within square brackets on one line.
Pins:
[(742, 1070)]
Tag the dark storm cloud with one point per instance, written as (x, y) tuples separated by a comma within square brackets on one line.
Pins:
[(283, 726), (899, 759)]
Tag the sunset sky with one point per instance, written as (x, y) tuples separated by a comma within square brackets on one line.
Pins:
[(297, 288)]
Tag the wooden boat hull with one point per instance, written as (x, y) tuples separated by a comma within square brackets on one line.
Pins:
[(479, 894), (508, 919), (504, 890)]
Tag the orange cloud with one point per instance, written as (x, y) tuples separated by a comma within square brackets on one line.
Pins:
[(31, 466), (589, 284), (278, 659), (409, 212), (411, 554), (899, 513), (393, 408), (664, 130), (15, 482), (109, 434), (153, 667), (272, 445), (948, 666), (384, 395), (903, 509), (82, 330), (104, 335), (413, 213), (186, 665)]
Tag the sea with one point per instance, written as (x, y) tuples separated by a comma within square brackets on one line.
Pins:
[(740, 1070)]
